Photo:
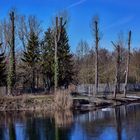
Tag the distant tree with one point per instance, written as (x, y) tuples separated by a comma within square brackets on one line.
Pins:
[(27, 25), (106, 67), (82, 62), (31, 57), (2, 69), (135, 66), (82, 49)]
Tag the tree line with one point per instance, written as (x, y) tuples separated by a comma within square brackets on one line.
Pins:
[(46, 61), (99, 65)]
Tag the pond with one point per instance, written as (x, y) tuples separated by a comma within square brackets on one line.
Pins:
[(120, 123)]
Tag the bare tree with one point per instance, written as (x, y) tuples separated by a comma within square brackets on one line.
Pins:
[(34, 25), (57, 33), (12, 66), (135, 66), (82, 53), (82, 49), (22, 30), (64, 14), (27, 25), (117, 75), (128, 62), (3, 47), (97, 39), (6, 34)]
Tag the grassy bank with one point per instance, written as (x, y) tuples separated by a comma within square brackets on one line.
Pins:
[(50, 102), (27, 102)]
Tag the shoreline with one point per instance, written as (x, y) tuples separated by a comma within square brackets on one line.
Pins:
[(46, 103), (109, 101), (27, 103)]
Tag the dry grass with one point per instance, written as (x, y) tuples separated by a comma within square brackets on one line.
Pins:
[(27, 102), (63, 100)]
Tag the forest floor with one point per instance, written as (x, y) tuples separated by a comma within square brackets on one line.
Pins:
[(46, 102)]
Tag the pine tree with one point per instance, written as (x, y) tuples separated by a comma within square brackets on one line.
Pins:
[(31, 57), (2, 70), (65, 63), (48, 59)]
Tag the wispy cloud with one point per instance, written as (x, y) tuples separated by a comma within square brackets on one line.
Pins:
[(76, 4), (120, 22)]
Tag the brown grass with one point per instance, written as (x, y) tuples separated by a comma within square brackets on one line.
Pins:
[(27, 102), (63, 100)]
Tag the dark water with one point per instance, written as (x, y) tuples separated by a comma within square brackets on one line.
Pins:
[(121, 123)]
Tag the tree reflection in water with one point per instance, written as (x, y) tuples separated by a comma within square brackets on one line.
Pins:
[(63, 124), (35, 126), (118, 123), (111, 124), (12, 132)]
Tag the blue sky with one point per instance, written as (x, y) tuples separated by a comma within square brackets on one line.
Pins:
[(115, 16)]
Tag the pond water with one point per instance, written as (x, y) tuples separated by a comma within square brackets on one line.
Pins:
[(120, 123)]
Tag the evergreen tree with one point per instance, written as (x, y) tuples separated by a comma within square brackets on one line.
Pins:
[(48, 59), (2, 70), (65, 62), (31, 57)]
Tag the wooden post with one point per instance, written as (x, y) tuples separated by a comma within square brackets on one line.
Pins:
[(128, 62), (96, 56), (57, 34)]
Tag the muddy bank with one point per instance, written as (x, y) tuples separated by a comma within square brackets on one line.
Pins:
[(85, 104)]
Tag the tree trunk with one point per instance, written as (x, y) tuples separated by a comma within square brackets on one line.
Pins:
[(12, 67), (56, 67), (128, 62), (33, 81), (117, 75), (56, 39), (96, 57)]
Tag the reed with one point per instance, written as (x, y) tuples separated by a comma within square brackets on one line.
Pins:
[(63, 100)]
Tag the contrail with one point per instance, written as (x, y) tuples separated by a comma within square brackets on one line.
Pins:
[(76, 4)]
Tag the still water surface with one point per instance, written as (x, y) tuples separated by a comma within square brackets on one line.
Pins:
[(120, 123)]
